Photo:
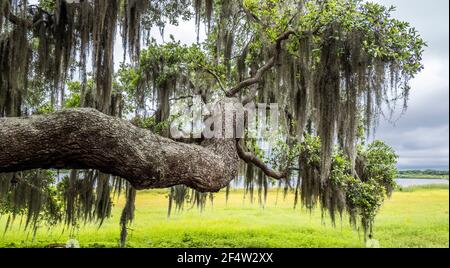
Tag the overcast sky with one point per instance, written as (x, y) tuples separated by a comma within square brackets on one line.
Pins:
[(421, 136)]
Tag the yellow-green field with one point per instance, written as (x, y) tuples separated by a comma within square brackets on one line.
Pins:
[(414, 218)]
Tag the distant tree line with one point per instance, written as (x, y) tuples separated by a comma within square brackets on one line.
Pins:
[(428, 172)]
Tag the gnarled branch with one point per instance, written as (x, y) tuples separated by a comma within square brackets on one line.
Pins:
[(259, 74), (88, 139)]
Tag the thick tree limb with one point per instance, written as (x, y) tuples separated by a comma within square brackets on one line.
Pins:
[(259, 74), (88, 139)]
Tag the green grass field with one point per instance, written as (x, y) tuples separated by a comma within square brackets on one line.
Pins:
[(417, 217)]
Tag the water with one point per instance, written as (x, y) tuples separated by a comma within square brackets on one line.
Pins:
[(405, 182), (418, 182)]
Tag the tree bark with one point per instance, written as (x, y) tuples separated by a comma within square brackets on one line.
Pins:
[(88, 139)]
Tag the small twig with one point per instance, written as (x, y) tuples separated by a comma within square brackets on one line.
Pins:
[(216, 76)]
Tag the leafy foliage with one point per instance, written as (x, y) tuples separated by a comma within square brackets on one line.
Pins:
[(363, 195)]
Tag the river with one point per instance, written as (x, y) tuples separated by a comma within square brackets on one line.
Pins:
[(417, 182)]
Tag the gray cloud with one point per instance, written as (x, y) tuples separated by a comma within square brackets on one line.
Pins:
[(421, 135)]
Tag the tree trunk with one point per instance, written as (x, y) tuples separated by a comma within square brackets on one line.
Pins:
[(88, 139)]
